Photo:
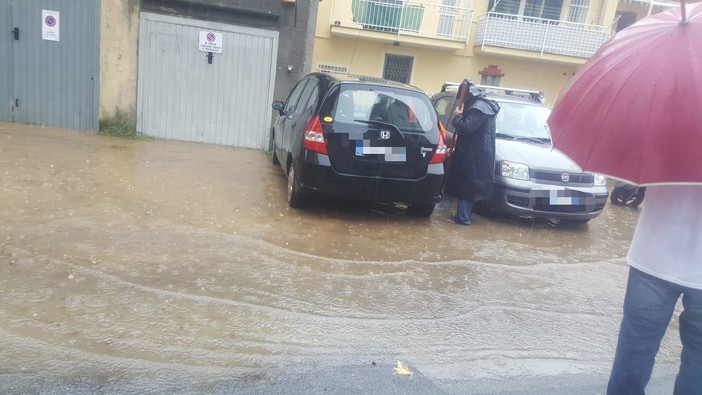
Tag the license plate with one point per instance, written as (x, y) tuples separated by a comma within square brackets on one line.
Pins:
[(388, 154), (563, 197)]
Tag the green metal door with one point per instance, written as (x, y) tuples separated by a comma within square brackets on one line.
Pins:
[(49, 72)]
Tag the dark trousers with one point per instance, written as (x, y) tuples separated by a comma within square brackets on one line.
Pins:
[(464, 211), (648, 307)]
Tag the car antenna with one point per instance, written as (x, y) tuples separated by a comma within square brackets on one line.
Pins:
[(353, 54)]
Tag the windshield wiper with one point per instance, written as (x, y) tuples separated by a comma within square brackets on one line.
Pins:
[(505, 136), (538, 140)]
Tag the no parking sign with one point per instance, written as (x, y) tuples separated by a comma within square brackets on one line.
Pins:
[(210, 41), (50, 25)]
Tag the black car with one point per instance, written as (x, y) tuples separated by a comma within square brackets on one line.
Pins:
[(360, 137), (531, 178)]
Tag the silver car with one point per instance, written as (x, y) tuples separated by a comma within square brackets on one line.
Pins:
[(531, 178)]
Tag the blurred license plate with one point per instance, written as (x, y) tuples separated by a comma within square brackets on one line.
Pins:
[(563, 197), (388, 154)]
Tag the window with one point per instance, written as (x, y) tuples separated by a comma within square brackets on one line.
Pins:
[(309, 97), (398, 68), (409, 111), (523, 120), (294, 97), (447, 14), (546, 9), (444, 108), (443, 105), (578, 11), (625, 19)]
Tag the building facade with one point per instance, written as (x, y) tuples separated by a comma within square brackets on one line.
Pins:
[(526, 44)]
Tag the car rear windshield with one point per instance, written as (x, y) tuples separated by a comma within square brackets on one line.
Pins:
[(360, 104), (523, 120)]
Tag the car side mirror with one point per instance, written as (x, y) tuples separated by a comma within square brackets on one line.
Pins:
[(279, 106)]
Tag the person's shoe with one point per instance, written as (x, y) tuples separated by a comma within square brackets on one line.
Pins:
[(457, 221)]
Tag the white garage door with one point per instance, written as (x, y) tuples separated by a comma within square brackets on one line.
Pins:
[(191, 95)]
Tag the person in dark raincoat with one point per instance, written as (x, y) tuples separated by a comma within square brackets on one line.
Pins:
[(473, 160)]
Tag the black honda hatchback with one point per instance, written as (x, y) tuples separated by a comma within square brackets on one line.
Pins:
[(360, 137)]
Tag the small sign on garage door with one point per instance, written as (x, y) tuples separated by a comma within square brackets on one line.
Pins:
[(210, 41), (50, 25)]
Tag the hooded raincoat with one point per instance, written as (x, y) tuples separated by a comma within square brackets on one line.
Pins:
[(473, 161)]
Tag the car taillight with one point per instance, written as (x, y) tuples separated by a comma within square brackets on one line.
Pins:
[(440, 153), (314, 137)]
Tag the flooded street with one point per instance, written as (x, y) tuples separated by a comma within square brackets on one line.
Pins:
[(152, 260)]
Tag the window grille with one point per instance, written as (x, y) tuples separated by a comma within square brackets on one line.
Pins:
[(398, 68)]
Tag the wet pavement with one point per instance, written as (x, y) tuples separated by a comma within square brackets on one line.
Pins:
[(158, 262)]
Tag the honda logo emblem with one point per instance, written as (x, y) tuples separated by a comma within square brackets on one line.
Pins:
[(565, 177), (384, 134)]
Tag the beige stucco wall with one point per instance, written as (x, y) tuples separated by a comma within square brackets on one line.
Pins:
[(119, 39), (434, 66), (431, 68)]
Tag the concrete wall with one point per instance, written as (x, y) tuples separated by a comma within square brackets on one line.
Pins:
[(296, 43), (119, 37)]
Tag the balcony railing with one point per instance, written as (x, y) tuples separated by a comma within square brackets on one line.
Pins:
[(654, 3), (544, 36), (400, 17)]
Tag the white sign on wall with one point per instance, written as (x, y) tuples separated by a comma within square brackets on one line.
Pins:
[(210, 41), (50, 25)]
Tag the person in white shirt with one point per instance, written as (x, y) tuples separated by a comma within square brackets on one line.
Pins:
[(665, 259)]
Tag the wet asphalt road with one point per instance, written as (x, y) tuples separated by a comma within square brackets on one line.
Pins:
[(146, 266)]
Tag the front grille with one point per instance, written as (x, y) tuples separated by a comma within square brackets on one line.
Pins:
[(555, 177)]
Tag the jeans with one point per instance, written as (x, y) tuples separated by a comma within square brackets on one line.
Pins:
[(464, 211), (648, 306)]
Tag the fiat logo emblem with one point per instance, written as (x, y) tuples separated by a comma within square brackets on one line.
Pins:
[(565, 177)]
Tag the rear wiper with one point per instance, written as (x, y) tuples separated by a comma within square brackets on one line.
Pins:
[(381, 123)]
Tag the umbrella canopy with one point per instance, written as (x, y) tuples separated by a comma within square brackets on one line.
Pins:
[(634, 112)]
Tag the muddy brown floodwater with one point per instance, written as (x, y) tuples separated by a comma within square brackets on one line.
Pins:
[(163, 259)]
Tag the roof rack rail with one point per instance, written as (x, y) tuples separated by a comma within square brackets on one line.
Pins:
[(448, 85), (532, 95)]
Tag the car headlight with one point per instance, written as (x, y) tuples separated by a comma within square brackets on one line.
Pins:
[(519, 171), (600, 181)]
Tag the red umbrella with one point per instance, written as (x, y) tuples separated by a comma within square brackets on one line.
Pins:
[(634, 112)]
